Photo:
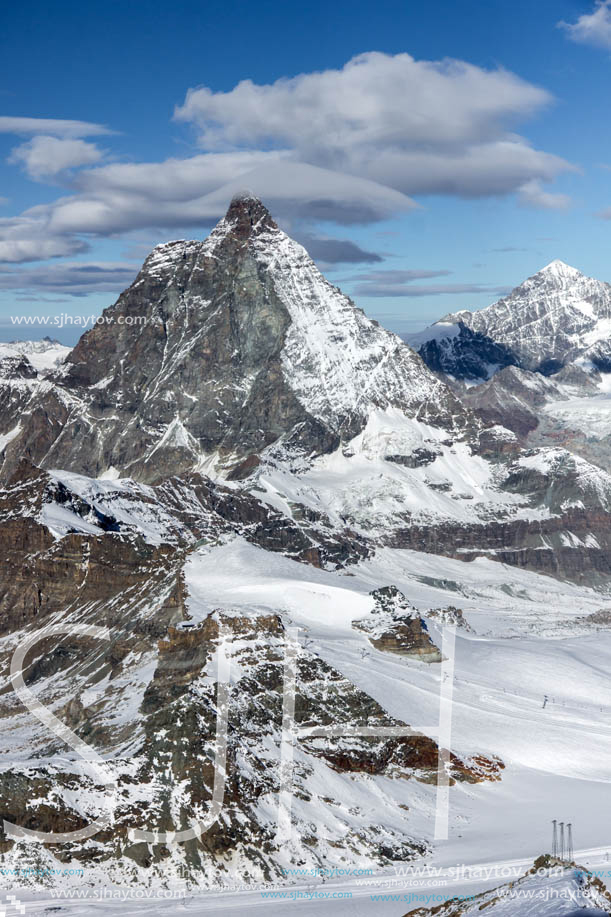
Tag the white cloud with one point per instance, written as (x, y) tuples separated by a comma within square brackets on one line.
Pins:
[(36, 249), (418, 126), (592, 28), (374, 98), (181, 194), (43, 156), (533, 195), (498, 167), (298, 190), (113, 200), (55, 126), (23, 239), (347, 146), (173, 179)]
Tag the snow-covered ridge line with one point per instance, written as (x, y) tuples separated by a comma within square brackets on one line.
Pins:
[(556, 316), (44, 355)]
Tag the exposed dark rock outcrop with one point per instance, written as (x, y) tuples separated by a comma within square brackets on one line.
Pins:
[(468, 354), (395, 626)]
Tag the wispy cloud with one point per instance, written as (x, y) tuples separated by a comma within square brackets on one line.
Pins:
[(592, 28), (330, 252), (394, 283), (54, 126), (44, 157), (533, 195), (27, 239), (404, 283), (74, 278)]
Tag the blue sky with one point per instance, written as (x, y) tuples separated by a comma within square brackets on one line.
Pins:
[(430, 156)]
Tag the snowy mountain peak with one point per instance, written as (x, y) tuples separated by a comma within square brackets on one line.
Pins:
[(559, 268), (556, 316), (44, 355), (246, 218), (224, 348)]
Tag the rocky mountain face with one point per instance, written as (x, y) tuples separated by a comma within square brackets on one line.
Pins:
[(455, 350), (514, 398), (536, 362), (220, 351), (76, 552), (556, 317), (567, 409), (234, 358), (396, 627)]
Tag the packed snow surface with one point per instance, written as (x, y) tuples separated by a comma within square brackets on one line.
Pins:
[(500, 683), (591, 416), (361, 482)]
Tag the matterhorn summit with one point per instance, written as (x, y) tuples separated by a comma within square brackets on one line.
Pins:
[(220, 350)]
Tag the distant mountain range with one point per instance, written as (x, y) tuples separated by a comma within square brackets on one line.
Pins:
[(44, 355)]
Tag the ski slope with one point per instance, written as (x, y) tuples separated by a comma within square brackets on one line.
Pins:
[(527, 641)]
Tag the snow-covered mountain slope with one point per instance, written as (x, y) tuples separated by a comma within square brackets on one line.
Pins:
[(550, 889), (396, 470), (220, 350), (517, 399), (44, 355), (149, 698), (151, 709), (24, 366), (403, 483), (234, 358), (591, 416), (236, 452), (555, 317), (571, 409)]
